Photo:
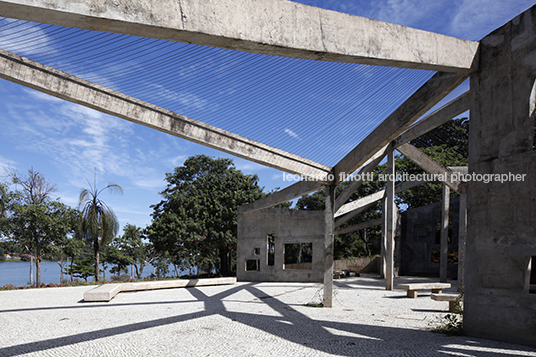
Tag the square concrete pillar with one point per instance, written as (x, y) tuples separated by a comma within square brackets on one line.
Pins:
[(501, 231)]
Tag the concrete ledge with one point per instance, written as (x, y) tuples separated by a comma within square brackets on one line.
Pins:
[(106, 292), (412, 288), (453, 299)]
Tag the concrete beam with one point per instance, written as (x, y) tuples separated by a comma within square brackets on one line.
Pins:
[(430, 93), (65, 86), (437, 118), (273, 27), (357, 227), (354, 185), (296, 190), (431, 166), (444, 243), (390, 222), (376, 196), (328, 246)]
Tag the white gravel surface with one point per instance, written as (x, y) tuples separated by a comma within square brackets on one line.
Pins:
[(246, 319)]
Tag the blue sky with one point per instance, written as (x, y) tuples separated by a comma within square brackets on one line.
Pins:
[(66, 142)]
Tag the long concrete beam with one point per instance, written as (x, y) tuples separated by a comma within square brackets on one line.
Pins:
[(65, 86), (273, 27), (357, 227), (353, 208), (296, 190), (431, 166), (429, 94), (437, 118), (354, 185)]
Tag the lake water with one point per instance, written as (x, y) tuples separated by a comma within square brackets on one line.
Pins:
[(18, 273)]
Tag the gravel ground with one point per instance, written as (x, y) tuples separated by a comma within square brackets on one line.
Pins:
[(246, 319)]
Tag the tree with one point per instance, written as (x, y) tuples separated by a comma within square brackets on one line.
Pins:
[(98, 223), (35, 221), (41, 227), (133, 245), (198, 212)]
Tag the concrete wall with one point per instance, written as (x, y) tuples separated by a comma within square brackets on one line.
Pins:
[(502, 216), (363, 264), (288, 226), (419, 238)]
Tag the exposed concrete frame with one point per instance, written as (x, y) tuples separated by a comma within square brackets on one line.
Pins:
[(429, 94), (357, 227), (431, 166), (390, 221), (328, 246), (354, 185), (462, 236), (444, 242), (295, 190), (442, 115), (272, 27), (376, 196), (65, 86)]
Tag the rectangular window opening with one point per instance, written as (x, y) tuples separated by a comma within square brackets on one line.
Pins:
[(252, 265), (270, 245), (257, 251), (298, 256)]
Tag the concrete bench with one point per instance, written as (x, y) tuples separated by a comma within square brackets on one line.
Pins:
[(106, 292), (412, 288), (453, 299)]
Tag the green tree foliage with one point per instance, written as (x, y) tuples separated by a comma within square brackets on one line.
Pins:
[(98, 223), (34, 220), (198, 212), (132, 243)]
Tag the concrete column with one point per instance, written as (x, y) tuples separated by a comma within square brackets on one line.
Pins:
[(444, 234), (328, 246), (462, 233), (383, 261), (390, 221)]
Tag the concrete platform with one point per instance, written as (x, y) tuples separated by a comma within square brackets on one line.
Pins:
[(107, 292), (244, 319)]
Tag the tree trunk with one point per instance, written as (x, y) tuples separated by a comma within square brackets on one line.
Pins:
[(38, 267), (97, 262), (38, 270), (60, 263), (31, 269)]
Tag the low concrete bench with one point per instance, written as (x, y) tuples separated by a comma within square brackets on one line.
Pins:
[(412, 288), (453, 299), (106, 292)]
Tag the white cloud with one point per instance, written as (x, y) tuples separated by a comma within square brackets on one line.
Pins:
[(293, 134), (474, 19)]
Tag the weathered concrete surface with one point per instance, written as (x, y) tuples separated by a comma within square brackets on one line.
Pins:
[(419, 238), (329, 243), (273, 27), (362, 264), (107, 292), (430, 165), (288, 226), (429, 94), (432, 121), (288, 193), (65, 86), (501, 230)]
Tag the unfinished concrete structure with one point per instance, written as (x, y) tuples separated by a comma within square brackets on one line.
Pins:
[(501, 243), (265, 238)]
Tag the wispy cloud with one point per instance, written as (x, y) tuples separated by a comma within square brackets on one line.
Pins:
[(292, 134)]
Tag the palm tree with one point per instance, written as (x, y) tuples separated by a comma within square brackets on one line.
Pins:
[(98, 223)]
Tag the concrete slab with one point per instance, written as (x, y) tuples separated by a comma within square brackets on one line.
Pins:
[(107, 292)]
